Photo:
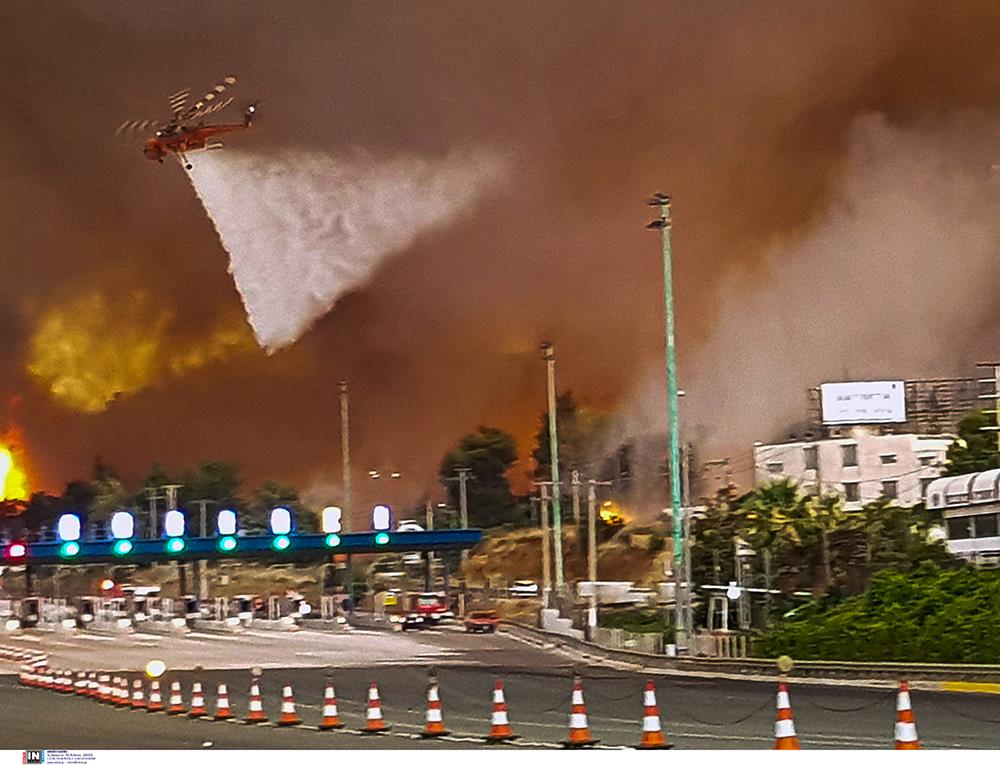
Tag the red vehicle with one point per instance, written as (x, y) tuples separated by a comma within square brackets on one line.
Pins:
[(482, 621), (186, 131), (433, 606)]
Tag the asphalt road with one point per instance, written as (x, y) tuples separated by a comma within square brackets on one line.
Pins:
[(696, 713)]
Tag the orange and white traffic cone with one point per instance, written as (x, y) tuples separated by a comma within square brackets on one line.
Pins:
[(222, 710), (499, 723), (138, 699), (906, 724), (66, 681), (288, 714), (116, 691), (579, 730), (373, 716), (255, 714), (80, 686), (176, 699), (434, 726), (124, 697), (652, 732), (197, 701), (92, 685), (784, 725), (104, 689), (331, 717), (155, 699)]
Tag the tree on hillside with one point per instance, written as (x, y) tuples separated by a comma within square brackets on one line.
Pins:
[(581, 432), (899, 537), (489, 453), (976, 449), (215, 481), (272, 494)]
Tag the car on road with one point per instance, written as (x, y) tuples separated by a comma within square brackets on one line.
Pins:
[(413, 622), (482, 621), (524, 588), (409, 526)]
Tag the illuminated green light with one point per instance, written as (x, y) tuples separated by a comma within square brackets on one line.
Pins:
[(227, 544), (122, 547), (175, 545), (332, 540), (381, 538), (281, 542), (69, 549)]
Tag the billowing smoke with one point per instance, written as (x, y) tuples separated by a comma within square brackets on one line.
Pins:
[(892, 282), (302, 228)]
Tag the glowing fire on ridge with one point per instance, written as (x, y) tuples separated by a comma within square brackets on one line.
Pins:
[(13, 481)]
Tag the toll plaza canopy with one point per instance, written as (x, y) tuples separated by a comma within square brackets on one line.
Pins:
[(285, 547)]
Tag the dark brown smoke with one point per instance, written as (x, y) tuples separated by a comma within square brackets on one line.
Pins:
[(746, 113)]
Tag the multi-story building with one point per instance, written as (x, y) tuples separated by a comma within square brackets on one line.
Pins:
[(862, 464), (970, 507)]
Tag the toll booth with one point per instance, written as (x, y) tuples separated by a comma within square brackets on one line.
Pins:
[(86, 611), (242, 607), (190, 608), (30, 613)]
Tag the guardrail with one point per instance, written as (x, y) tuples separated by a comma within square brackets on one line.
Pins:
[(830, 670)]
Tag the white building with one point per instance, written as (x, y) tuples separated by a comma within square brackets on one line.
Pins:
[(970, 506), (862, 465)]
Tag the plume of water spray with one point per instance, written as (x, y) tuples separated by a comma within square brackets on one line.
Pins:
[(302, 228)]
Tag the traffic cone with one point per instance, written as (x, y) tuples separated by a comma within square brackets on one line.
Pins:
[(435, 722), (92, 685), (784, 725), (116, 691), (222, 710), (138, 699), (288, 714), (499, 724), (104, 689), (256, 711), (331, 717), (123, 695), (906, 724), (80, 686), (373, 716), (155, 699), (176, 699), (197, 701), (579, 730), (652, 733), (66, 681)]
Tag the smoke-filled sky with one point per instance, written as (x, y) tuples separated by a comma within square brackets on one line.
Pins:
[(834, 215)]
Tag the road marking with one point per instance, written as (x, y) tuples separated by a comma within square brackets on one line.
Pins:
[(209, 636), (968, 687), (29, 638), (101, 638)]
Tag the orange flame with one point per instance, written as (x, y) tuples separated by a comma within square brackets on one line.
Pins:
[(13, 481)]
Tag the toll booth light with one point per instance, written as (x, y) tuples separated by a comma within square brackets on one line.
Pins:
[(381, 538), (122, 525), (281, 542), (122, 547), (68, 527), (173, 524), (281, 521), (175, 545), (332, 540), (69, 549), (227, 544), (226, 523), (17, 550), (381, 518), (332, 520)]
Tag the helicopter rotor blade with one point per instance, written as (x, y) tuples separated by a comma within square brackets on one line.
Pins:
[(178, 100), (198, 108)]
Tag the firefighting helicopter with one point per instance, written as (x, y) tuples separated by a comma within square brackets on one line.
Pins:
[(186, 130)]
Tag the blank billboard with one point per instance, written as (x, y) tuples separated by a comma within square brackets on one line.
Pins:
[(860, 403)]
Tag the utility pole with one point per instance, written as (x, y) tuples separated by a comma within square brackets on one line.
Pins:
[(576, 497), (546, 564), (592, 551), (152, 496), (550, 369), (463, 474), (429, 525), (200, 566), (663, 223), (170, 490), (345, 455)]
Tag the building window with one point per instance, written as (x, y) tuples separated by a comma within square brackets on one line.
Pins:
[(924, 483), (986, 526), (926, 460), (851, 491), (890, 489), (849, 454), (809, 453), (775, 467), (959, 528), (888, 459)]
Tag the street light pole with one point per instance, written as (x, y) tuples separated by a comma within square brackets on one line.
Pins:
[(550, 369), (345, 455), (663, 223)]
